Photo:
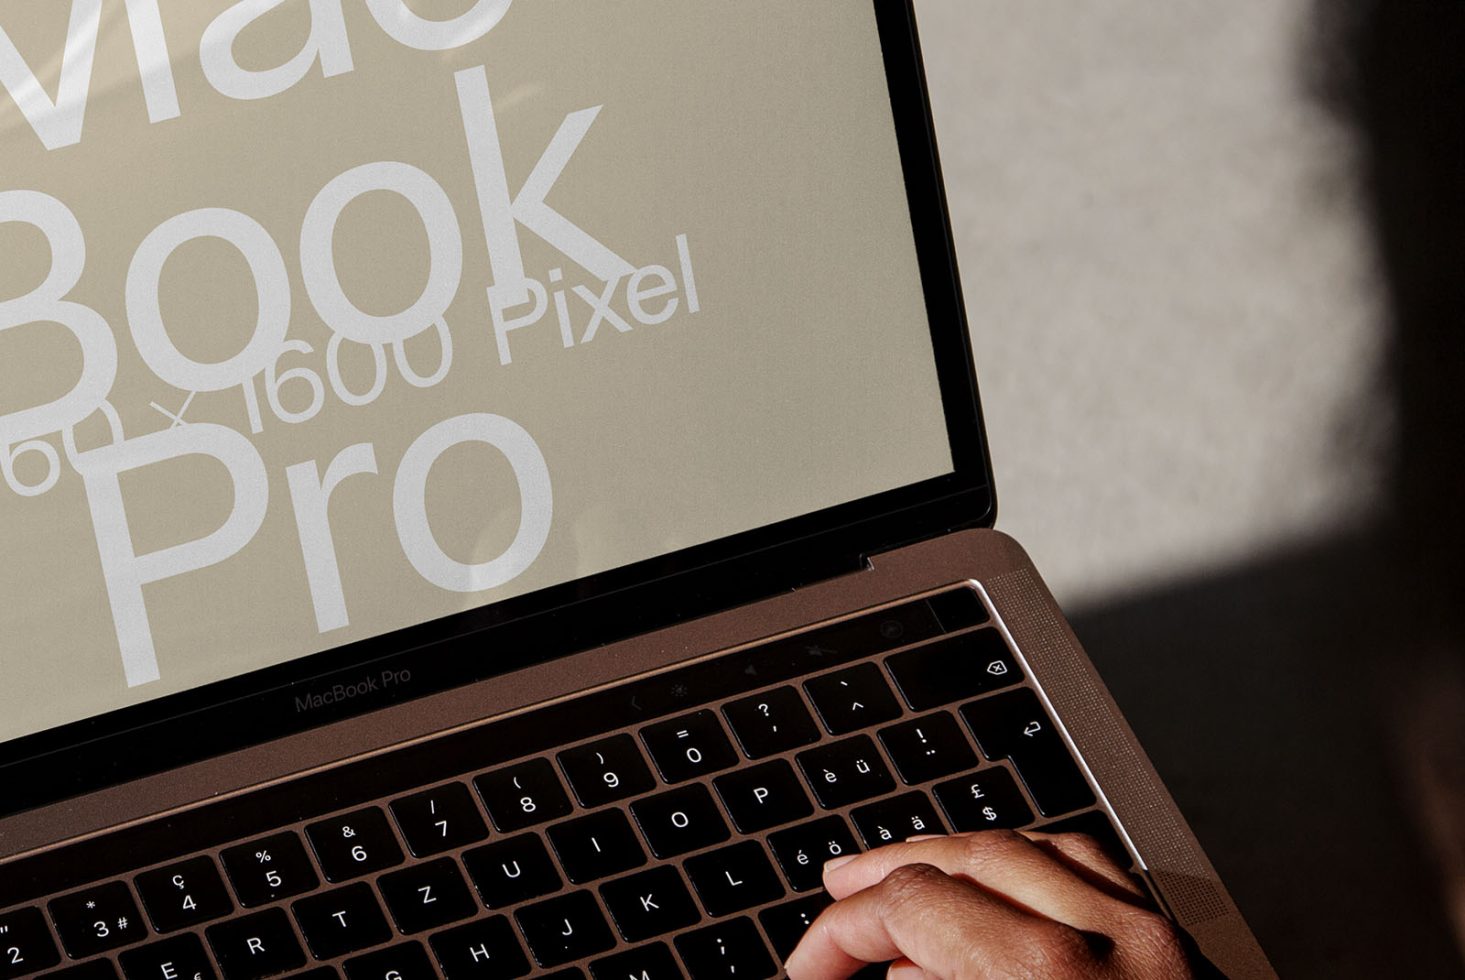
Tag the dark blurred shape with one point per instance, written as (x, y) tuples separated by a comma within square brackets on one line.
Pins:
[(1395, 71), (1307, 710)]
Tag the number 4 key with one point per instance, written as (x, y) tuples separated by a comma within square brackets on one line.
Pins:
[(183, 894)]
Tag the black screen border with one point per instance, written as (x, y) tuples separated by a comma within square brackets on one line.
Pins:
[(261, 706)]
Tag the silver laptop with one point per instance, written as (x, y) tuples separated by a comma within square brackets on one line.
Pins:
[(492, 489)]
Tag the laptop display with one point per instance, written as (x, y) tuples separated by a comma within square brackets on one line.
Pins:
[(493, 487), (318, 321)]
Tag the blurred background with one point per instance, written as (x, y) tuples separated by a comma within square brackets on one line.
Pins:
[(1183, 305)]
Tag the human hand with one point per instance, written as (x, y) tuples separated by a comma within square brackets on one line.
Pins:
[(990, 904)]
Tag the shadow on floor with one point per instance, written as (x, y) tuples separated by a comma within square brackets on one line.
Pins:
[(1264, 697)]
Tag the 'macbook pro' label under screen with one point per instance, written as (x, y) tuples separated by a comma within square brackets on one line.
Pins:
[(321, 319)]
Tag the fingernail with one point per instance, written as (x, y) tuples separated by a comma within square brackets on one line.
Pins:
[(838, 863), (794, 965), (905, 971), (920, 837)]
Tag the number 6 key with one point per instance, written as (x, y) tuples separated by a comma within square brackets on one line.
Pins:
[(354, 844)]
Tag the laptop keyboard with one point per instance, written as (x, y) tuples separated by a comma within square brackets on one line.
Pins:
[(671, 826)]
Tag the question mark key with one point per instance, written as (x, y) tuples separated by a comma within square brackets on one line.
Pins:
[(770, 722)]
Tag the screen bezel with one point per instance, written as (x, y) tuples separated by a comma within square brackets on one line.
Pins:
[(540, 627)]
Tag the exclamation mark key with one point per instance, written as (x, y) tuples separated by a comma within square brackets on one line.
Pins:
[(928, 748)]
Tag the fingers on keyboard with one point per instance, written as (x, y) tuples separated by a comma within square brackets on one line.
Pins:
[(622, 839)]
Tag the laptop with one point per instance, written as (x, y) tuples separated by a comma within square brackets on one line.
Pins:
[(498, 489)]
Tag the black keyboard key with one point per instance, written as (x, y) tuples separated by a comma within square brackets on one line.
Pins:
[(523, 795), (95, 970), (565, 929), (183, 894), (596, 846), (179, 958), (427, 896), (1014, 726), (928, 748), (407, 961), (893, 820), (846, 772), (682, 820), (319, 973), (985, 800), (512, 871), (954, 669), (652, 903), (354, 844), (570, 974), (1097, 826), (438, 820), (25, 944), (270, 869), (763, 796), (256, 946), (96, 920), (802, 851), (605, 771), (851, 699), (772, 722), (734, 878), (687, 747), (959, 609), (787, 923), (342, 921), (647, 963), (730, 950), (483, 950)]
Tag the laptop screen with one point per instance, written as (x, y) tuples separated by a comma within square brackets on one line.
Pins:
[(320, 320)]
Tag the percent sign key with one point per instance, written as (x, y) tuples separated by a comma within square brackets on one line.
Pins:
[(268, 870)]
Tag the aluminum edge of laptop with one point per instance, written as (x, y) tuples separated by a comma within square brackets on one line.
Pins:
[(987, 560), (984, 559)]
